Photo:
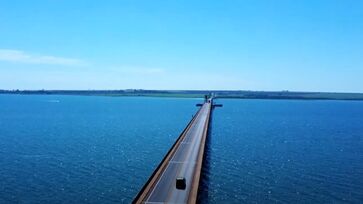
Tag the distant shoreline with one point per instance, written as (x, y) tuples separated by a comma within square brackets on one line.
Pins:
[(197, 94)]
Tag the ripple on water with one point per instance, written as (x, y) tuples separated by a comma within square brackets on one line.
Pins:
[(101, 149), (266, 151)]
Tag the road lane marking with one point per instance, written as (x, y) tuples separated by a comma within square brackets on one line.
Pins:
[(181, 162), (162, 175)]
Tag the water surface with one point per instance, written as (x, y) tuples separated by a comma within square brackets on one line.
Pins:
[(84, 149), (88, 149), (285, 151)]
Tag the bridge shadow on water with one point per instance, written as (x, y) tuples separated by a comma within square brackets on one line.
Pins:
[(204, 182)]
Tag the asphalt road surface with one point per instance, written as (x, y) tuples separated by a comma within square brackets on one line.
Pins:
[(181, 164)]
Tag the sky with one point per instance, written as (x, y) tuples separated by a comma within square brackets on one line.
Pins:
[(271, 45)]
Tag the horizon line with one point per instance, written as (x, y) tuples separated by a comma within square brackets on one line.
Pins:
[(175, 90)]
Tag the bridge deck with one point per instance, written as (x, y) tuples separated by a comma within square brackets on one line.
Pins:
[(184, 160)]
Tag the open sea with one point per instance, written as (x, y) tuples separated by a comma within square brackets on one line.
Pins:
[(94, 149)]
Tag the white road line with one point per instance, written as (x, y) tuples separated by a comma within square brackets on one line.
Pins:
[(157, 183), (182, 162)]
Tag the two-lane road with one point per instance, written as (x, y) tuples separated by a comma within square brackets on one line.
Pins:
[(182, 163)]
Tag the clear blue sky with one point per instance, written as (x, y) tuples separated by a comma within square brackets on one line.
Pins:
[(314, 45)]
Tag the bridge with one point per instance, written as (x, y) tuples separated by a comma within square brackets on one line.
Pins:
[(176, 179)]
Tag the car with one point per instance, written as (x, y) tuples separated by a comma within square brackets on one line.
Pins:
[(180, 183)]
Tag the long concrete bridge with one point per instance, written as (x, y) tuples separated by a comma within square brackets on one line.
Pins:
[(176, 179)]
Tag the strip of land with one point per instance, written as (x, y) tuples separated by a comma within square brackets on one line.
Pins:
[(199, 94)]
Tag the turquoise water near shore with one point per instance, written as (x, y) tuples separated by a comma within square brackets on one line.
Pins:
[(88, 149)]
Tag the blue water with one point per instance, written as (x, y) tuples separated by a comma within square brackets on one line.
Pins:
[(280, 151), (84, 149)]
